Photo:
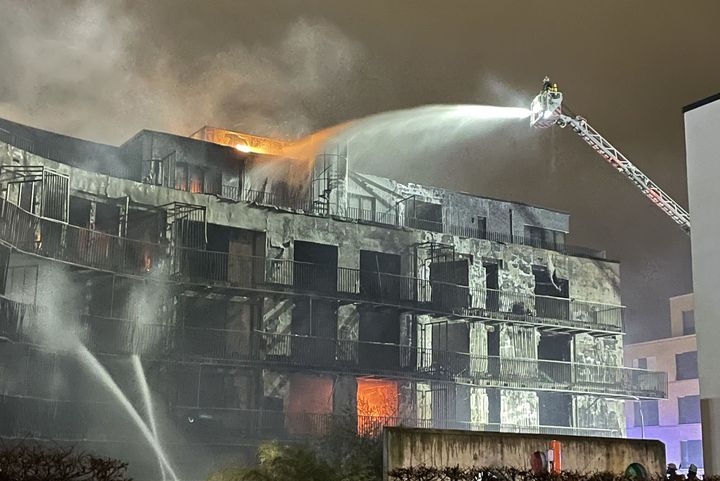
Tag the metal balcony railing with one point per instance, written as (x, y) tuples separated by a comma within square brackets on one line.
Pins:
[(372, 216), (77, 245), (79, 420), (164, 343), (285, 425), (475, 232), (269, 198), (80, 246)]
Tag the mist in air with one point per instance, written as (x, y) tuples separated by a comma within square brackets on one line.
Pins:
[(413, 137)]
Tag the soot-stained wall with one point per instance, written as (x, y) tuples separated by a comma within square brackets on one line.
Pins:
[(589, 279), (458, 210)]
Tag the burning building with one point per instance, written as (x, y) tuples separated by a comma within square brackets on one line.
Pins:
[(263, 308)]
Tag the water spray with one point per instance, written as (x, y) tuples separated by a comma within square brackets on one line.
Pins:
[(140, 374), (104, 377)]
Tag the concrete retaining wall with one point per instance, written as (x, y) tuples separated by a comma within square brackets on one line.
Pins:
[(405, 447)]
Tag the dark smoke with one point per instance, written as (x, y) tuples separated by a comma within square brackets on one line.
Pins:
[(105, 70)]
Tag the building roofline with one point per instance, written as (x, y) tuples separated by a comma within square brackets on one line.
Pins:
[(158, 132), (682, 296), (477, 196), (525, 204), (658, 341), (701, 102), (50, 132)]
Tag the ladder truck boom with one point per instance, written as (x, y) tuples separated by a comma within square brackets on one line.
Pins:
[(546, 111)]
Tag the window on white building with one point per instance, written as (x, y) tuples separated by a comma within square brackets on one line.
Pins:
[(688, 319), (686, 366), (691, 453), (649, 416), (689, 409)]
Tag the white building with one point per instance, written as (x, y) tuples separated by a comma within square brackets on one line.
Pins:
[(676, 420), (702, 143)]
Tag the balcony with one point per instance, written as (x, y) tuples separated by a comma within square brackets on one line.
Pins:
[(269, 198), (105, 252), (372, 216), (62, 420), (76, 245), (491, 371), (167, 344)]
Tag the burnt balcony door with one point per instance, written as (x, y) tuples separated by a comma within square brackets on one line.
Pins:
[(314, 329), (449, 282), (379, 275), (230, 255), (443, 405), (315, 267), (450, 347), (379, 334), (551, 295), (551, 349), (555, 409), (492, 284)]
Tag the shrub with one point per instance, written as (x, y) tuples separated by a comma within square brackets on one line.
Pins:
[(457, 473), (280, 463), (23, 462), (340, 455)]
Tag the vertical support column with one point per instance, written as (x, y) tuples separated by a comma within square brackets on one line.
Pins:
[(407, 326), (479, 408), (92, 219), (424, 342), (345, 397), (424, 404), (124, 212), (478, 349), (477, 284), (37, 195)]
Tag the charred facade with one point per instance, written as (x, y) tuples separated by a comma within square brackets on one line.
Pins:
[(267, 309)]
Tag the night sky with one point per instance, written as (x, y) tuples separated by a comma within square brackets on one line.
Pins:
[(103, 70)]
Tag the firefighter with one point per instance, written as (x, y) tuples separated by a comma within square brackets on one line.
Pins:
[(547, 84), (672, 474), (692, 473)]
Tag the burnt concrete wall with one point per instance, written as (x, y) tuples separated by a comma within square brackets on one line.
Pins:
[(589, 280), (403, 447), (458, 209)]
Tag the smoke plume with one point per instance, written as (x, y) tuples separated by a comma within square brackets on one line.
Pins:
[(105, 70)]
